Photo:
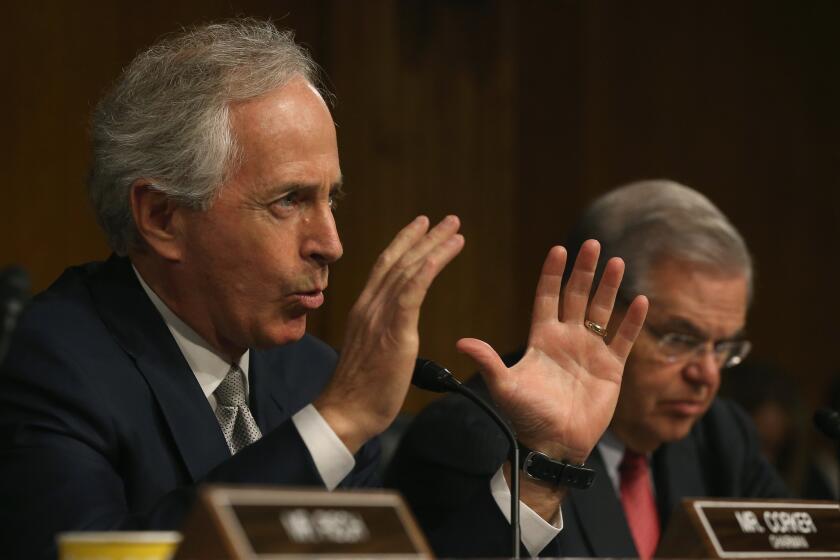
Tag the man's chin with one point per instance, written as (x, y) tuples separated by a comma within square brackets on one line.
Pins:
[(291, 330), (676, 430)]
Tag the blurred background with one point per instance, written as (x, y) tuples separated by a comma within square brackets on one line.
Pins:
[(513, 115)]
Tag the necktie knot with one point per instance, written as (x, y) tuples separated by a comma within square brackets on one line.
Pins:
[(231, 391), (235, 418), (633, 464)]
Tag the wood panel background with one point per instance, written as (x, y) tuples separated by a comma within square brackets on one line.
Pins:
[(512, 115)]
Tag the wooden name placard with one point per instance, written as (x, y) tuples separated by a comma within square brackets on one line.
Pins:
[(263, 523), (730, 528)]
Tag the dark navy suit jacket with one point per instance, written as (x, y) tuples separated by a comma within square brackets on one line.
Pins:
[(104, 426), (452, 447)]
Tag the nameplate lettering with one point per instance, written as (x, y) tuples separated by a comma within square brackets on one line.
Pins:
[(771, 529), (273, 523)]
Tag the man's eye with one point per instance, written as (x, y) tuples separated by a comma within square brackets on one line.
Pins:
[(679, 341), (335, 196), (288, 201)]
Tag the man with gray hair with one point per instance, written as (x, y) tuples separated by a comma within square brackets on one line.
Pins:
[(670, 437), (184, 359)]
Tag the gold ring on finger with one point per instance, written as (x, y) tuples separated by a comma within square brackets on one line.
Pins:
[(600, 330)]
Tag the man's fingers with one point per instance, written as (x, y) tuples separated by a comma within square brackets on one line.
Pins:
[(547, 298), (576, 294), (404, 240), (415, 281), (629, 328), (407, 251), (490, 365), (439, 234), (601, 306)]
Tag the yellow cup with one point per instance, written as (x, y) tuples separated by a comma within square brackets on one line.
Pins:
[(134, 545)]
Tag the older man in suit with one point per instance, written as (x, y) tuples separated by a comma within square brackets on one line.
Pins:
[(670, 437), (183, 359)]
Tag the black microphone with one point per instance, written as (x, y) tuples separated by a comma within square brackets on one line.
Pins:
[(433, 377), (828, 422), (14, 291)]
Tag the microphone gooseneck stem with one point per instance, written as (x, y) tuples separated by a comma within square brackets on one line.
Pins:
[(433, 377), (514, 463)]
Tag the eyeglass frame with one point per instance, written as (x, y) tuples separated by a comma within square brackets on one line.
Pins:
[(739, 348), (623, 299)]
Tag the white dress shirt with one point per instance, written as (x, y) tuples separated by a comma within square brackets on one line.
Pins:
[(331, 457), (536, 531)]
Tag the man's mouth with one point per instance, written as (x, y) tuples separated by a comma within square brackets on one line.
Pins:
[(687, 407), (309, 300)]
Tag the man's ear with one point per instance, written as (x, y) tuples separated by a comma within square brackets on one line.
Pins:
[(158, 219)]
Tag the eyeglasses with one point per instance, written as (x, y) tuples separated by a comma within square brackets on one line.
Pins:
[(676, 347)]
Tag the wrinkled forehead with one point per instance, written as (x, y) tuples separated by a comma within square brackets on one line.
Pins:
[(298, 103), (294, 114)]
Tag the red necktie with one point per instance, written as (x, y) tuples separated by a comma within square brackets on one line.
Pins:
[(638, 502)]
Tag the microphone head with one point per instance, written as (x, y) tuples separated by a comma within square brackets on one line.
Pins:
[(828, 422), (433, 377)]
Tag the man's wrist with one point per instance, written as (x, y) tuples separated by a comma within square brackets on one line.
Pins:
[(555, 451), (542, 497), (537, 531), (331, 457), (346, 426), (540, 467)]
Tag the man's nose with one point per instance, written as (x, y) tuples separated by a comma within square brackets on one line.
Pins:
[(322, 243), (704, 367)]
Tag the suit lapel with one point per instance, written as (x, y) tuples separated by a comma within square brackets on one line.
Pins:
[(286, 378), (268, 392), (140, 330), (599, 515)]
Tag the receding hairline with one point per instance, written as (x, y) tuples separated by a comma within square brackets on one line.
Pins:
[(649, 220), (691, 267)]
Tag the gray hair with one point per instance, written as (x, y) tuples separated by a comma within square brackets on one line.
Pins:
[(648, 221), (167, 117)]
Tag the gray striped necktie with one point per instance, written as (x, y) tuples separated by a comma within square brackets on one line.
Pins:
[(232, 411)]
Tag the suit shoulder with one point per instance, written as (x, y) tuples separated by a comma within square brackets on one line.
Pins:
[(61, 325), (58, 308)]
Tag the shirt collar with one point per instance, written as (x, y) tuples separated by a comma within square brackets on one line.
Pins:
[(612, 452), (209, 367)]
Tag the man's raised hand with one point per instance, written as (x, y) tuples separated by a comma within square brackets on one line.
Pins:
[(561, 395), (381, 342)]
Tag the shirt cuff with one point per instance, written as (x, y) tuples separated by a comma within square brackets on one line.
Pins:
[(332, 458), (536, 531)]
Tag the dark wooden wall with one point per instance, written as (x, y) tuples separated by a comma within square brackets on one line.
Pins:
[(512, 115)]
